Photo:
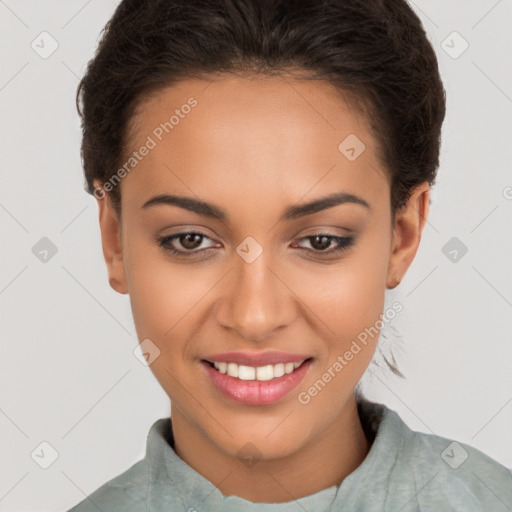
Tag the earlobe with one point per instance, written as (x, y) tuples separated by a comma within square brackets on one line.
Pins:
[(111, 242), (409, 223)]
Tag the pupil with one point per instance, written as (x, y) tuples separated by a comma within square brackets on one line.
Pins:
[(323, 245), (188, 238)]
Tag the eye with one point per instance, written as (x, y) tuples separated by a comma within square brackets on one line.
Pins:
[(190, 243), (322, 241)]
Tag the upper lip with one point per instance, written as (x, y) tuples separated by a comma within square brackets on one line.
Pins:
[(257, 359)]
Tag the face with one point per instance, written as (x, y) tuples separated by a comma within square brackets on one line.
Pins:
[(266, 275)]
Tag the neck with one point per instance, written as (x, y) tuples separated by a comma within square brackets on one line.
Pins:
[(323, 462)]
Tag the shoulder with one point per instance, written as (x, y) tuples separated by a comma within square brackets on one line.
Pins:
[(449, 474), (126, 492), (464, 469), (129, 491)]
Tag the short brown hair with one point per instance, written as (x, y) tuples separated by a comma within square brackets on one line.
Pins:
[(375, 50)]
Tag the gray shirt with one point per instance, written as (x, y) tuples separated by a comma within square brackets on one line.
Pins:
[(404, 471)]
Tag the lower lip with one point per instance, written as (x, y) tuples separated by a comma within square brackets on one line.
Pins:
[(256, 392)]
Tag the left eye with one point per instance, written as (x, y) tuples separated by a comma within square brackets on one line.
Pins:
[(322, 241)]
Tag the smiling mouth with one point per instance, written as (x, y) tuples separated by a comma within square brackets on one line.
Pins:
[(256, 373)]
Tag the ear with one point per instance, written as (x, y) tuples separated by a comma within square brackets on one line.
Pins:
[(111, 242), (409, 223)]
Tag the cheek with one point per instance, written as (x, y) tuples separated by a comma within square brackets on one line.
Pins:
[(347, 296), (163, 303), (162, 295), (346, 302), (349, 304), (166, 309)]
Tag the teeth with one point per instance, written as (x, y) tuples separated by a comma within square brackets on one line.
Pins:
[(289, 367), (232, 369), (267, 372), (246, 372), (278, 370)]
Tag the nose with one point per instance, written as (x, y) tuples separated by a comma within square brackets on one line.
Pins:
[(257, 302)]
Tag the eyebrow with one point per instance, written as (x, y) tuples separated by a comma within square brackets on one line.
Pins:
[(291, 213)]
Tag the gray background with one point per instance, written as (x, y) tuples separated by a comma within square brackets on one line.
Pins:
[(68, 374)]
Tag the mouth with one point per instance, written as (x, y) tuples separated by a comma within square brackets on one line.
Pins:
[(256, 385)]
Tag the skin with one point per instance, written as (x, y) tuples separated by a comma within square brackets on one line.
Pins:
[(253, 148)]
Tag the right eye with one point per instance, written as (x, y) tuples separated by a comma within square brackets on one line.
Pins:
[(189, 241)]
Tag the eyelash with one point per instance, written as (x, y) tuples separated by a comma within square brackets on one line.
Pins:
[(344, 243)]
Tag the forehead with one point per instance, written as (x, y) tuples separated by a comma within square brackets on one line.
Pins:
[(275, 135)]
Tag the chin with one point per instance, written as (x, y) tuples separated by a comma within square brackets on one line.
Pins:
[(257, 444)]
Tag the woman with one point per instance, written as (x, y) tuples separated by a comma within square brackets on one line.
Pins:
[(263, 170)]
